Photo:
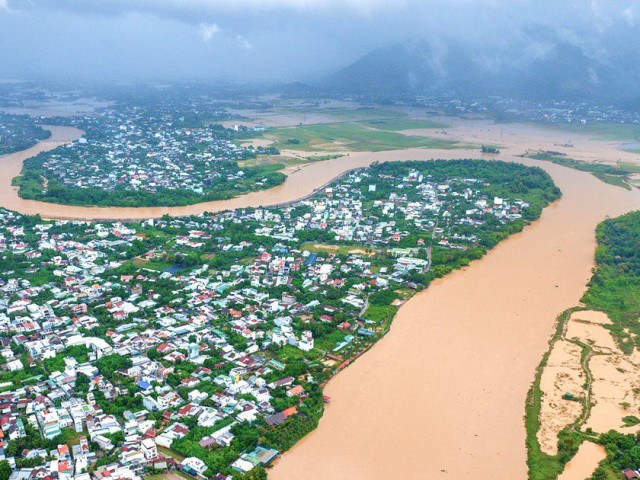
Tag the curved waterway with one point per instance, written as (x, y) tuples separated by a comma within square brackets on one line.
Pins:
[(442, 395)]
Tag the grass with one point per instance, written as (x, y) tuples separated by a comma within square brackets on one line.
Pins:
[(173, 475), (167, 452), (397, 124), (71, 437), (359, 114), (629, 167), (615, 180), (349, 136), (337, 249), (322, 158), (154, 264), (331, 341)]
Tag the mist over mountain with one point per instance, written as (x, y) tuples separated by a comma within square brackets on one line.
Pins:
[(562, 71), (537, 49)]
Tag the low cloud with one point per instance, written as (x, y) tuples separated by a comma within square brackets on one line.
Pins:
[(208, 31), (297, 39)]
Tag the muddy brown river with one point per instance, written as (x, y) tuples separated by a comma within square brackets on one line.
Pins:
[(442, 395)]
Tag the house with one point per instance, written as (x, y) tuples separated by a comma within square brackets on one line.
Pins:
[(149, 449), (295, 391), (193, 466)]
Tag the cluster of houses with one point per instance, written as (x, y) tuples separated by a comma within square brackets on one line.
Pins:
[(18, 132), (552, 111), (208, 347), (127, 148)]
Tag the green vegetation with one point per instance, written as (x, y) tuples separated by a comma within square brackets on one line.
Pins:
[(19, 132), (360, 113), (349, 136), (322, 158), (543, 466), (613, 174), (5, 470), (631, 420), (110, 364), (615, 285), (398, 124), (614, 289), (32, 187), (490, 149), (623, 451), (56, 364)]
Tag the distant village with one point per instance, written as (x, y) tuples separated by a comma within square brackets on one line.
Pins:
[(518, 110), (201, 344), (18, 132), (134, 148)]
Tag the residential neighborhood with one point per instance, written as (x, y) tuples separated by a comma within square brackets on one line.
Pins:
[(152, 154), (201, 344)]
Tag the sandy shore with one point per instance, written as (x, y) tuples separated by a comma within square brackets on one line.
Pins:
[(612, 377), (563, 374)]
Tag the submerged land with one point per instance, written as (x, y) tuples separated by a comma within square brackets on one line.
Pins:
[(436, 383)]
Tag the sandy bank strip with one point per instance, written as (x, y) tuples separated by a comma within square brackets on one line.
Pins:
[(615, 378)]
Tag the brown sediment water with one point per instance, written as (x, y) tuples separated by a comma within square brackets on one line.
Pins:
[(584, 463), (442, 395)]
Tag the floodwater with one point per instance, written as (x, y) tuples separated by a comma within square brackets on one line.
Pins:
[(442, 395), (584, 463)]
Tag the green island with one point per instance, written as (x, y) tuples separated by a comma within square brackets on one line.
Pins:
[(614, 289), (214, 334), (149, 155)]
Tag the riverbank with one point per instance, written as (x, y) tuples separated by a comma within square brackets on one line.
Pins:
[(442, 395)]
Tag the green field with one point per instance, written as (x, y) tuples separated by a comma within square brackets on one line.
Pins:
[(359, 114), (349, 136), (337, 249), (398, 124)]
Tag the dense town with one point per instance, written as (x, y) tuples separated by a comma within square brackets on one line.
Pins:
[(18, 132), (147, 155), (201, 344), (505, 109)]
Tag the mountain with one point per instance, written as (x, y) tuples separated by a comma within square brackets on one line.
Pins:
[(396, 67), (562, 72)]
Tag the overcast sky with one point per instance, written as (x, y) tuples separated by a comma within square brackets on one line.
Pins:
[(283, 39)]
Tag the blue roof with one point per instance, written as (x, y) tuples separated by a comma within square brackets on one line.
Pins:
[(311, 259), (143, 385)]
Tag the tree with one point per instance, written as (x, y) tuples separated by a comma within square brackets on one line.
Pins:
[(5, 470)]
